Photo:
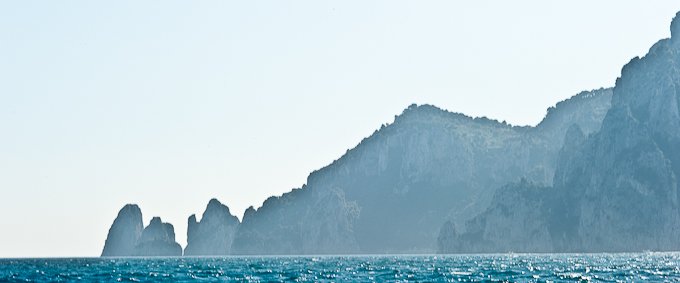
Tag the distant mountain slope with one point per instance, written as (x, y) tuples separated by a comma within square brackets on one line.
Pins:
[(614, 190), (391, 193)]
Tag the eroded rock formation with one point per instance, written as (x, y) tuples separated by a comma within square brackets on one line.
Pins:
[(214, 234), (158, 239), (391, 193), (128, 237), (124, 232), (614, 190)]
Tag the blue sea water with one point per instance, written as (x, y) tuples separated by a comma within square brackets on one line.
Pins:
[(628, 267)]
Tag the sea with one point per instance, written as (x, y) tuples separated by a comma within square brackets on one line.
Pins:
[(623, 267)]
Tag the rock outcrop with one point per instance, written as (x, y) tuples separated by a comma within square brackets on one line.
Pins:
[(275, 228), (614, 190), (329, 224), (158, 239), (512, 223), (128, 237), (214, 234), (124, 232), (391, 193)]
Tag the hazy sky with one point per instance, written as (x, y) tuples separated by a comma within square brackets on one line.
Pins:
[(168, 104)]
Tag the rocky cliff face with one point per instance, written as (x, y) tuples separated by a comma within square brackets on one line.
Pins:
[(128, 237), (328, 225), (513, 222), (158, 239), (124, 232), (614, 190), (391, 193), (275, 228), (214, 234), (303, 221)]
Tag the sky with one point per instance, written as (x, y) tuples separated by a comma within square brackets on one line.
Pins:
[(167, 104)]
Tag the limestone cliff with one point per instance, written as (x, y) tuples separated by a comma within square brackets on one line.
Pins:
[(124, 232), (275, 228), (128, 237), (158, 239), (391, 193), (513, 223), (328, 225), (214, 234), (614, 190)]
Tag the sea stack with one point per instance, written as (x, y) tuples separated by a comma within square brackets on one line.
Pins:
[(214, 234), (128, 237), (124, 232), (158, 239)]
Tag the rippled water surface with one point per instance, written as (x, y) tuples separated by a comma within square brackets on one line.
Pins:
[(631, 267)]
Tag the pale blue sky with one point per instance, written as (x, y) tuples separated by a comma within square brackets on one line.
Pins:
[(168, 104)]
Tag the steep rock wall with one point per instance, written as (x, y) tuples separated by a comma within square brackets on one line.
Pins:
[(214, 234), (402, 182), (615, 190)]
